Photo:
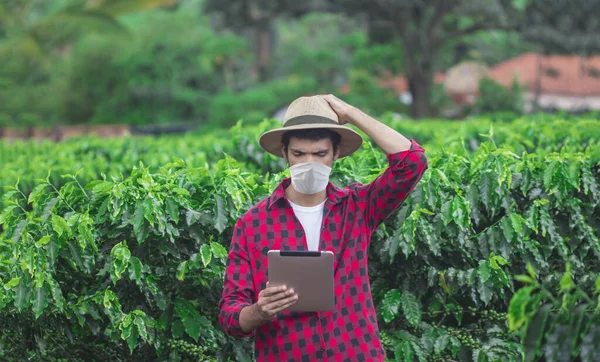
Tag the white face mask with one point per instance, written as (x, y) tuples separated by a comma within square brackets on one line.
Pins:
[(310, 177)]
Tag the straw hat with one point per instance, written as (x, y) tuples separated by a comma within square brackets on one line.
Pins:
[(310, 113)]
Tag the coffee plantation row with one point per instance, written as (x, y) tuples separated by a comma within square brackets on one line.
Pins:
[(92, 156), (114, 250)]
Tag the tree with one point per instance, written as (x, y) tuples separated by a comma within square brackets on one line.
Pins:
[(563, 26), (35, 36), (424, 27), (255, 19), (47, 26)]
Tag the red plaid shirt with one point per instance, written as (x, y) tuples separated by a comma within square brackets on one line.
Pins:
[(351, 214)]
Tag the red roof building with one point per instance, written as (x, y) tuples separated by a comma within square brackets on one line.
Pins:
[(557, 81)]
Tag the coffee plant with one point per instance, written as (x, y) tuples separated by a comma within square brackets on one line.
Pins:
[(114, 250)]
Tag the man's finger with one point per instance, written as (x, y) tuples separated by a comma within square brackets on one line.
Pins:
[(278, 296), (284, 307), (273, 290), (281, 302)]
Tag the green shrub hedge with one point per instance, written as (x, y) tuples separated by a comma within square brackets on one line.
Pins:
[(494, 257)]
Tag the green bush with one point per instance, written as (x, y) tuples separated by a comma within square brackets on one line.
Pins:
[(495, 255), (494, 97)]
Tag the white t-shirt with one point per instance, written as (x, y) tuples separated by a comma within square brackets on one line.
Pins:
[(311, 219)]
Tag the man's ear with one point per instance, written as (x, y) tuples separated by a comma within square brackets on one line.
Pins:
[(336, 155)]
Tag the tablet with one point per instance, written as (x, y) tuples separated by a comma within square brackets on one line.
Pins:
[(310, 273)]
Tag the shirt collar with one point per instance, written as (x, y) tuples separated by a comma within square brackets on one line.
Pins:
[(334, 193)]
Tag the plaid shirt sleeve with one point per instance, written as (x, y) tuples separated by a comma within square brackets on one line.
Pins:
[(238, 289), (389, 190)]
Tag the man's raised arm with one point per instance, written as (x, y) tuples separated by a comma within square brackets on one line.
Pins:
[(406, 164)]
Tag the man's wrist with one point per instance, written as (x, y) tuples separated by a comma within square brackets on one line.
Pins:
[(255, 313), (353, 115), (358, 118)]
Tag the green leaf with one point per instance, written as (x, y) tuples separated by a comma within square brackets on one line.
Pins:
[(6, 213), (446, 212), (60, 226), (485, 191), (411, 308), (56, 293), (138, 222), (190, 317), (218, 250), (442, 176), (428, 339), (496, 261), (484, 270), (181, 269), (12, 283), (220, 214), (427, 233), (405, 351), (507, 228), (132, 340), (566, 282), (135, 268), (43, 241), (531, 271), (485, 292), (141, 327), (121, 255), (22, 295), (390, 305), (418, 351), (532, 218), (574, 175), (535, 332), (177, 329), (40, 302), (525, 279), (148, 207), (173, 210), (517, 223), (479, 355), (549, 176), (36, 193), (517, 306), (460, 212), (205, 254), (441, 343), (126, 325)]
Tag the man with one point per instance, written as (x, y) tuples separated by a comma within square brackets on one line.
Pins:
[(308, 212)]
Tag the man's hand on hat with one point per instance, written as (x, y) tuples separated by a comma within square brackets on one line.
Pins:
[(345, 112)]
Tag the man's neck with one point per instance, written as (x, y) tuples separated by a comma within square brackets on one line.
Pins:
[(303, 199)]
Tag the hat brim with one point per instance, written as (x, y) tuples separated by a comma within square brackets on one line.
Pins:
[(350, 141)]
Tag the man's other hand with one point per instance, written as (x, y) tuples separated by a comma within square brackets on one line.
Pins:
[(273, 300)]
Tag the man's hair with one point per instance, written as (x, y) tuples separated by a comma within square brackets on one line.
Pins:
[(314, 134)]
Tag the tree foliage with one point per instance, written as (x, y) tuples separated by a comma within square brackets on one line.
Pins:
[(560, 26), (425, 27)]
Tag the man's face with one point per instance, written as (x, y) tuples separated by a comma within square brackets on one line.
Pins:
[(302, 150)]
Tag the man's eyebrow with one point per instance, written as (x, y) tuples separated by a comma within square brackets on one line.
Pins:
[(319, 151)]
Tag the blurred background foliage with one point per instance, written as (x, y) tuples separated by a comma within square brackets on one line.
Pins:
[(212, 62)]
